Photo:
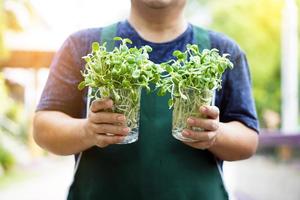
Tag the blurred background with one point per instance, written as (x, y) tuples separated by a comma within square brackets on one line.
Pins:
[(31, 31)]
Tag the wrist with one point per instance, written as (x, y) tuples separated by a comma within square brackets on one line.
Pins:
[(218, 138), (84, 140)]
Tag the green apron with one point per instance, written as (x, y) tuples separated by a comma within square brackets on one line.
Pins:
[(157, 166)]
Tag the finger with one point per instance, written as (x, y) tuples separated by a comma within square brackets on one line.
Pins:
[(200, 136), (107, 117), (207, 124), (112, 129), (199, 145), (105, 140), (210, 111), (101, 104)]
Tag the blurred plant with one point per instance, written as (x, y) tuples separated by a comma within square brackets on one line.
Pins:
[(256, 27), (7, 160), (12, 123), (12, 119)]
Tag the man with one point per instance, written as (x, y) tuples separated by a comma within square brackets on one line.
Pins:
[(157, 166)]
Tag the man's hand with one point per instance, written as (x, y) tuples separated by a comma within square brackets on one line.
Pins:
[(103, 128), (204, 139)]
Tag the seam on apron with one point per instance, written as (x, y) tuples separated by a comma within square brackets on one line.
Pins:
[(218, 163), (80, 155)]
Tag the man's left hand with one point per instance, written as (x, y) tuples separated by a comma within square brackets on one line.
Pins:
[(204, 139)]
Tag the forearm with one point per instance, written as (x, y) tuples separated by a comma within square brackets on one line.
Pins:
[(234, 142), (59, 133)]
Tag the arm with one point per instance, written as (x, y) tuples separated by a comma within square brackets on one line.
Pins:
[(57, 126), (228, 141), (235, 141), (235, 137), (61, 134)]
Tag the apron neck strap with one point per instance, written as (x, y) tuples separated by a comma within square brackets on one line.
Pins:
[(107, 35), (201, 38)]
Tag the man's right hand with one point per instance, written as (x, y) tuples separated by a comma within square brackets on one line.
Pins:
[(102, 128)]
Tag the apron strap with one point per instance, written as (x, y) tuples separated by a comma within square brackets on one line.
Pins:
[(201, 38), (107, 35)]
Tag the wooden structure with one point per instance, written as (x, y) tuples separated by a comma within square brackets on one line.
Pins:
[(28, 59), (277, 138)]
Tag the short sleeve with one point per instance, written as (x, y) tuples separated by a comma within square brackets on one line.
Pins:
[(60, 92), (235, 99), (238, 103)]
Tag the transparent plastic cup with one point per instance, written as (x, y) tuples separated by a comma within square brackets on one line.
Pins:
[(185, 108), (127, 102)]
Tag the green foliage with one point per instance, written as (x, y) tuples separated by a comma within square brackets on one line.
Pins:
[(192, 70), (256, 27), (122, 68), (191, 78), (7, 160), (120, 75), (13, 122)]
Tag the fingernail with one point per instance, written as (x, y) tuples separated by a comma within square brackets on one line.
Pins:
[(121, 118), (190, 120), (215, 126), (121, 138), (186, 133), (211, 135), (109, 103), (126, 129), (203, 109)]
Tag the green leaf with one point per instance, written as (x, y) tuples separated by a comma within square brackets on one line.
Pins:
[(105, 93), (148, 48), (176, 53), (95, 46), (117, 38), (169, 69), (220, 69), (126, 84), (170, 103), (81, 85), (87, 59), (194, 48), (136, 74), (131, 60), (161, 92), (126, 40)]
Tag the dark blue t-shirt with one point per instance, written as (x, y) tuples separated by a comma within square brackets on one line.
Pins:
[(234, 100)]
